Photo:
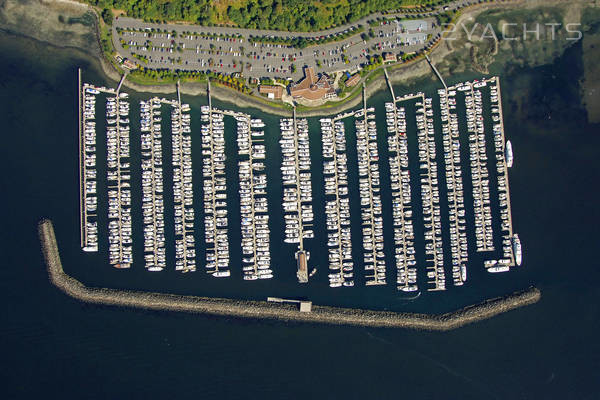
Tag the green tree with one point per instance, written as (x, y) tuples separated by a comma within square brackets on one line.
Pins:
[(107, 16)]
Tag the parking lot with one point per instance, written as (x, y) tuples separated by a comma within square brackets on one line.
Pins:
[(201, 48)]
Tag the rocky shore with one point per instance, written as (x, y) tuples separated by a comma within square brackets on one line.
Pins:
[(272, 311)]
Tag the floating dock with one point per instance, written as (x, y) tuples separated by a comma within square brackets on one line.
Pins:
[(215, 194), (337, 206), (371, 208), (404, 252), (297, 188)]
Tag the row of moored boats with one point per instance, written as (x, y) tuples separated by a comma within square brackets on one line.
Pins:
[(337, 203), (254, 212), (152, 185), (404, 235), (297, 189), (454, 185), (89, 200), (430, 195), (120, 248), (215, 193), (480, 179), (370, 197)]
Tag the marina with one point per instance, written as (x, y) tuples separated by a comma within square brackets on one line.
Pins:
[(439, 215)]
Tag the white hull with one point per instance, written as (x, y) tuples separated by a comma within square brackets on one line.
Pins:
[(517, 249), (508, 153), (498, 269)]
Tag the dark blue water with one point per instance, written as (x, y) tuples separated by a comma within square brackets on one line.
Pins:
[(54, 346)]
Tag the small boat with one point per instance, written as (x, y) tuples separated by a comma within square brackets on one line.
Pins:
[(508, 154), (221, 274), (498, 269), (517, 249)]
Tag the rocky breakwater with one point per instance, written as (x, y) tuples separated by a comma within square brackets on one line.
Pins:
[(265, 310)]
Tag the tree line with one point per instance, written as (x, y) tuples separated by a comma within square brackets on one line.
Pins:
[(283, 15)]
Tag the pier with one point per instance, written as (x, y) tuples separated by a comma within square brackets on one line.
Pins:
[(479, 171), (454, 184), (368, 172), (88, 199), (335, 172), (404, 252), (509, 259), (182, 187), (152, 185), (437, 73), (121, 82), (389, 83), (297, 188), (119, 177), (430, 195), (215, 196), (254, 213)]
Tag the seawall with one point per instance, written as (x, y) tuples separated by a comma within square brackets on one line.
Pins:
[(264, 310)]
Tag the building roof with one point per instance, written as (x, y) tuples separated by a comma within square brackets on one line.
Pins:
[(273, 91), (312, 87), (354, 79), (415, 25), (129, 64)]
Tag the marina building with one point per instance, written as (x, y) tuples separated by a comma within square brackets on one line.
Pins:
[(353, 80), (272, 91), (312, 87)]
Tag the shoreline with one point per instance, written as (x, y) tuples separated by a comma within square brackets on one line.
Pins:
[(398, 73), (270, 311)]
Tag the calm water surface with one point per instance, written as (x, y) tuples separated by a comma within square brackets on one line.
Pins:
[(55, 346)]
